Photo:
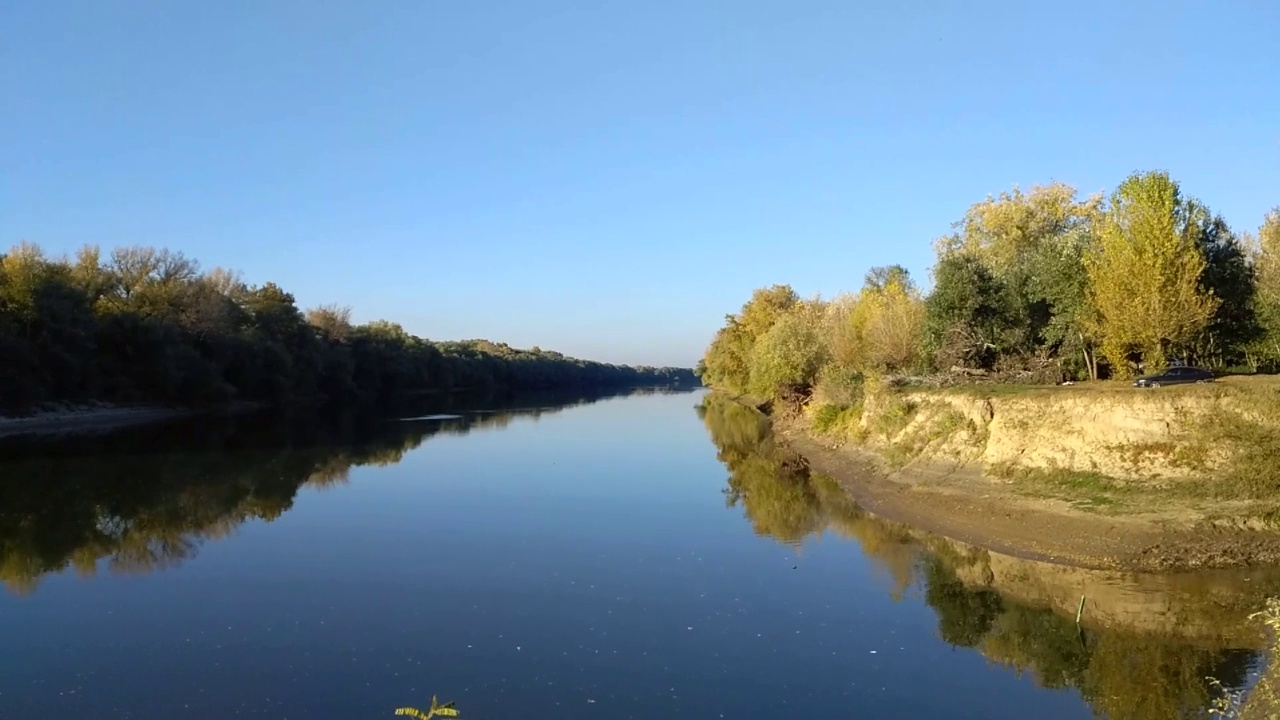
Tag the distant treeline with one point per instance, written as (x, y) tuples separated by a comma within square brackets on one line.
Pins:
[(1038, 286), (143, 325)]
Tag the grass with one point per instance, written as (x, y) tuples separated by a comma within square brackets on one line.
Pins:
[(1083, 489), (894, 416), (1222, 385), (830, 419), (938, 429)]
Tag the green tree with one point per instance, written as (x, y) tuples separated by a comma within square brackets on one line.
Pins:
[(786, 359), (1007, 231), (726, 364), (968, 317), (1031, 242), (1267, 299), (1057, 276), (1230, 277), (728, 361), (144, 325)]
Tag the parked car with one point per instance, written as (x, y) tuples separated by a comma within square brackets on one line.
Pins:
[(1174, 376)]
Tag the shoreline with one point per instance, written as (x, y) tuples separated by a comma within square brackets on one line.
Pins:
[(962, 504), (83, 420)]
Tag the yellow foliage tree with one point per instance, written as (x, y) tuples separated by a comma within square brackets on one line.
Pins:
[(880, 330), (1267, 299), (789, 355), (1005, 231), (1144, 273), (727, 363), (838, 330)]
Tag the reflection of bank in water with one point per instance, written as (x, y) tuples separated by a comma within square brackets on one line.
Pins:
[(1145, 645)]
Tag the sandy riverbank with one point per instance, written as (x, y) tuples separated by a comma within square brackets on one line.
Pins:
[(962, 502)]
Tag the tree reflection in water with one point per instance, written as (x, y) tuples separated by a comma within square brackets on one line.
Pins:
[(145, 499), (1149, 656)]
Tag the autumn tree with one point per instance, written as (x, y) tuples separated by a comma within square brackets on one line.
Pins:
[(786, 359), (1267, 298), (1009, 230), (1145, 273), (728, 361), (840, 333), (765, 307), (1030, 243), (333, 322), (886, 322)]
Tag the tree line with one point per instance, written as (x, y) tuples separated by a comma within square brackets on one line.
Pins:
[(146, 325), (1043, 285)]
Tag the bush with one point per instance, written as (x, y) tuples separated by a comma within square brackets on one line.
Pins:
[(789, 354)]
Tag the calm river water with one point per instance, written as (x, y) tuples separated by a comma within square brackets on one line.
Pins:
[(629, 557)]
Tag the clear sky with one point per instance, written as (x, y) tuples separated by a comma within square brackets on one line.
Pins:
[(604, 178)]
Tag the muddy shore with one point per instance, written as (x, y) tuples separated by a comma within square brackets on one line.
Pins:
[(965, 505)]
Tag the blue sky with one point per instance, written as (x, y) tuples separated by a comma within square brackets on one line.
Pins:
[(606, 178)]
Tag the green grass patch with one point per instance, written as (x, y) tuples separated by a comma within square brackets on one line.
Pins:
[(1083, 489), (894, 414), (1253, 470), (830, 419), (939, 429)]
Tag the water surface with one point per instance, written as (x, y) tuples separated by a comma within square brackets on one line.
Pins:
[(628, 557)]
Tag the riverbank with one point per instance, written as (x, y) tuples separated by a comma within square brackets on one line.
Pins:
[(1098, 477), (87, 419), (83, 419), (964, 505)]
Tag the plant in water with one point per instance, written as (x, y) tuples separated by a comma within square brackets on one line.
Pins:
[(1264, 701)]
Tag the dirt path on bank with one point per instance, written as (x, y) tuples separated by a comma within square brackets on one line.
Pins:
[(964, 505)]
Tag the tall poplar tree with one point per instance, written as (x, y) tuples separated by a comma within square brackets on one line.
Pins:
[(1144, 273)]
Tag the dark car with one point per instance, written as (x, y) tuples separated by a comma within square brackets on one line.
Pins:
[(1174, 376)]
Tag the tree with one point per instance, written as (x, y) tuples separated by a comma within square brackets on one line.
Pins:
[(726, 363), (840, 333), (728, 360), (787, 358), (968, 317), (1267, 298), (1229, 276), (332, 321), (1057, 276), (1007, 230), (765, 307), (1145, 273), (886, 323), (1029, 242), (145, 326)]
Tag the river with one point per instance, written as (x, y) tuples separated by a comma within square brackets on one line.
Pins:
[(639, 556)]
